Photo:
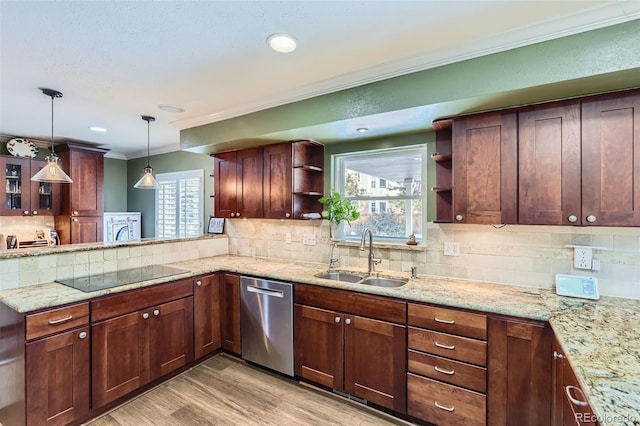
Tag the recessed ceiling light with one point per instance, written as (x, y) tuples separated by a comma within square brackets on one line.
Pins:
[(282, 43), (170, 108), (97, 129), (361, 129)]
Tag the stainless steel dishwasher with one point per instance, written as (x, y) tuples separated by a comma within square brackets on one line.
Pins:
[(267, 323)]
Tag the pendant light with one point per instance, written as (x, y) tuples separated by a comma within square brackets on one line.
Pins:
[(147, 181), (52, 172)]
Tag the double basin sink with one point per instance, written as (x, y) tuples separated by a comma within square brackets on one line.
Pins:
[(349, 277)]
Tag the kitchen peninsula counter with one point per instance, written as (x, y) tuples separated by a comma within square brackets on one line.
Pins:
[(600, 338)]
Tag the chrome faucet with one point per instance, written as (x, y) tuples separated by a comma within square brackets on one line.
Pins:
[(333, 261), (372, 260)]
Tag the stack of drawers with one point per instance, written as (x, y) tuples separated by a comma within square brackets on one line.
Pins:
[(447, 374)]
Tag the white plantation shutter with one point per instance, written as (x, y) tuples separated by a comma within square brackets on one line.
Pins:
[(179, 204)]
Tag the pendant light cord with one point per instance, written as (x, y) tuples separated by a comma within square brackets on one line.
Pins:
[(148, 125), (53, 151)]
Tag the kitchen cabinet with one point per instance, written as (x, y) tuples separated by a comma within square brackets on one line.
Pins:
[(22, 197), (82, 201), (447, 374), (443, 162), (133, 348), (293, 179), (352, 343), (230, 313), (485, 168), (569, 407), (550, 164), (519, 366), (206, 315), (238, 183)]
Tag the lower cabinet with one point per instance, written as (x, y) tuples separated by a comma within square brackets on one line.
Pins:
[(519, 372), (135, 348), (361, 356), (206, 315), (230, 313)]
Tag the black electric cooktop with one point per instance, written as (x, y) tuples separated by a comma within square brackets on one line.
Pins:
[(118, 278)]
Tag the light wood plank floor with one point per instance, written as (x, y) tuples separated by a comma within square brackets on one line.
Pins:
[(225, 391)]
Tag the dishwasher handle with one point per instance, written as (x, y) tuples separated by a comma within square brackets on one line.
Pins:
[(266, 291)]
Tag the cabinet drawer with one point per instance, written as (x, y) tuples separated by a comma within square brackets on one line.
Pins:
[(447, 370), (448, 320), (448, 345), (57, 320), (123, 303), (444, 404)]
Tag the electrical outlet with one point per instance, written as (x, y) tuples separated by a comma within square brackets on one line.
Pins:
[(582, 257), (309, 239), (287, 238), (451, 248)]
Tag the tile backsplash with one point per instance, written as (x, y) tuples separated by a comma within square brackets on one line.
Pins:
[(24, 227), (522, 255)]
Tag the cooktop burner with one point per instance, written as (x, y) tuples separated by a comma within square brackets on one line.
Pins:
[(122, 277)]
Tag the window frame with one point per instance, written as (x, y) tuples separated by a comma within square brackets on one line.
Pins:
[(176, 177)]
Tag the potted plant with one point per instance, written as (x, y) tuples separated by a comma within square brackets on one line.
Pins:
[(337, 210)]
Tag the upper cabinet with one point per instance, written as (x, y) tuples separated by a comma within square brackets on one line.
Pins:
[(22, 197), (280, 181), (485, 168)]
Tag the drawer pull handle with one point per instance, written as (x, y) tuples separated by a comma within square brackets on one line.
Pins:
[(444, 321), (442, 407), (443, 371), (61, 320), (573, 400), (440, 345)]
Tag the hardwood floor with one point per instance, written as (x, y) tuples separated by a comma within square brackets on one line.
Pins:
[(225, 391)]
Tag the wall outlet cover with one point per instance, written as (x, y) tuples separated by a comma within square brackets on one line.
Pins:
[(582, 257), (309, 239), (451, 248), (287, 238)]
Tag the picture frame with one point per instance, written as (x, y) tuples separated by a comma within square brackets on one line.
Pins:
[(216, 225)]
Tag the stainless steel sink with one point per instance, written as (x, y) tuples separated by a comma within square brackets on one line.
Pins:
[(383, 282), (340, 276)]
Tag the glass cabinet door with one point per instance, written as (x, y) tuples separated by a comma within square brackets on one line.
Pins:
[(15, 186), (44, 195)]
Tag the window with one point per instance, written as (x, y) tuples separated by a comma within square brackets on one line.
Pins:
[(395, 209), (179, 204)]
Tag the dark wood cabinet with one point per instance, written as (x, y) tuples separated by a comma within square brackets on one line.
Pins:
[(550, 164), (610, 159), (519, 372), (278, 177), (443, 161), (238, 183), (485, 168), (230, 313), (82, 201), (206, 315), (19, 196), (362, 356)]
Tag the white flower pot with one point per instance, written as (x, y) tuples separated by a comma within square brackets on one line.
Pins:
[(337, 231)]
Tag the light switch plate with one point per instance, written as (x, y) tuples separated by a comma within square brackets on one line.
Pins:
[(576, 286)]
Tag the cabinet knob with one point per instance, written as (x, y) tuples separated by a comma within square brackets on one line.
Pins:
[(459, 217), (198, 283), (572, 218), (337, 319), (347, 321), (35, 212), (25, 213), (75, 213), (591, 218), (75, 219), (156, 312), (233, 215), (557, 355), (83, 335), (238, 214), (145, 315), (287, 215)]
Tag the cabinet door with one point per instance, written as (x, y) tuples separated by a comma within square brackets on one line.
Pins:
[(375, 361), (519, 371), (557, 392), (277, 181), (171, 336), (485, 168), (15, 186), (549, 165), (610, 160), (86, 193), (57, 377), (45, 196), (225, 184), (318, 344), (249, 189), (120, 356), (230, 313), (206, 315), (86, 229)]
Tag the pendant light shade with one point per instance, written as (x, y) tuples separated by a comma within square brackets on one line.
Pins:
[(52, 172), (147, 181)]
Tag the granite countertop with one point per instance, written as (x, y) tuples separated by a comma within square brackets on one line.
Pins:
[(600, 338)]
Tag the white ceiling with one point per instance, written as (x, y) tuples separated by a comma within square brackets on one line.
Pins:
[(117, 60)]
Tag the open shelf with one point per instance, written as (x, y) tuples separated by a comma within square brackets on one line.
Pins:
[(443, 160)]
